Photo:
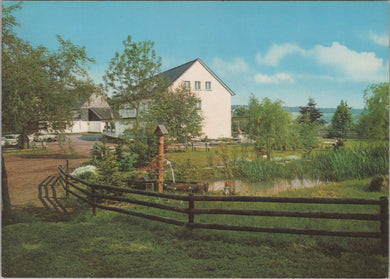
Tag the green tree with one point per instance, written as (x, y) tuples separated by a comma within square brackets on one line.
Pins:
[(133, 77), (374, 120), (308, 133), (179, 111), (308, 125), (240, 111), (269, 123), (39, 85), (108, 170), (342, 119), (310, 113)]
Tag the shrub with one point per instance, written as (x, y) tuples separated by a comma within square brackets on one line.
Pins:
[(379, 183)]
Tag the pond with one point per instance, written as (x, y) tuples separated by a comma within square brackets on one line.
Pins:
[(265, 187)]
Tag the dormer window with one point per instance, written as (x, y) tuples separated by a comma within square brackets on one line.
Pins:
[(187, 84), (197, 85), (208, 85)]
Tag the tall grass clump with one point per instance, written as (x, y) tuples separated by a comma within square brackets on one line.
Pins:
[(344, 163), (355, 162), (262, 170)]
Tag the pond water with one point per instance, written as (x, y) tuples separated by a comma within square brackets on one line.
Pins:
[(266, 187)]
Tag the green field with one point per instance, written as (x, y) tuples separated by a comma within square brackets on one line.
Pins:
[(115, 245)]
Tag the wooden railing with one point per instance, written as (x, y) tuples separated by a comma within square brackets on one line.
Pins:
[(93, 192)]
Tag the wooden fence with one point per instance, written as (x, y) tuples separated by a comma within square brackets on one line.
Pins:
[(92, 193)]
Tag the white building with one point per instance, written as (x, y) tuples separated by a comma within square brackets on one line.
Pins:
[(214, 94), (92, 116)]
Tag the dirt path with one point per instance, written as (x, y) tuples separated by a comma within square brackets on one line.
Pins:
[(26, 171)]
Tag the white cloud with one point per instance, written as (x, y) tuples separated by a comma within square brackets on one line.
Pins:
[(315, 77), (223, 68), (277, 78), (382, 40), (277, 53), (348, 64), (352, 65)]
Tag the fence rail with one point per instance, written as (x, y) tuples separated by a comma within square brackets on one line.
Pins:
[(91, 195)]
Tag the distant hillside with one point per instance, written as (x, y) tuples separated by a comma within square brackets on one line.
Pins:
[(327, 113)]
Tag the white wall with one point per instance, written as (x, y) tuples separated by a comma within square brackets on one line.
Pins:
[(120, 127), (82, 126), (79, 126), (95, 126), (216, 103)]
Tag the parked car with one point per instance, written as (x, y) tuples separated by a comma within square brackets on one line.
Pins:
[(45, 137), (10, 140)]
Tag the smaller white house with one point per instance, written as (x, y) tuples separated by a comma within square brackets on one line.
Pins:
[(93, 115), (214, 94)]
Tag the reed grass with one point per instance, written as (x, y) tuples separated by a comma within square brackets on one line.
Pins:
[(357, 161), (354, 162)]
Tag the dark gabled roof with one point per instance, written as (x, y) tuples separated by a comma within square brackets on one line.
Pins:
[(173, 74), (104, 113)]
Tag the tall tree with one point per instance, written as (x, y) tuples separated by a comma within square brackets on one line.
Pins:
[(342, 119), (240, 111), (39, 85), (269, 123), (308, 133), (374, 120), (133, 75), (310, 113), (179, 111)]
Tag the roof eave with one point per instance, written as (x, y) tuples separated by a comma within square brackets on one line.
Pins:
[(216, 77)]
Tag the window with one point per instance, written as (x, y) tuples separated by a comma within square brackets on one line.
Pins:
[(187, 84), (208, 85), (199, 104), (197, 85)]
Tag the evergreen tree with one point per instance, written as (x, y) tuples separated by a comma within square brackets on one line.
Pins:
[(309, 113), (342, 119)]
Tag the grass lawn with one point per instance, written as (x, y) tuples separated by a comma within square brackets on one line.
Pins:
[(116, 245)]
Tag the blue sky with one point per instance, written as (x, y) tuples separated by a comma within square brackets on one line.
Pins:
[(291, 51)]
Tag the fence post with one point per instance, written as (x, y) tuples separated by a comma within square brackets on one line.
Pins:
[(66, 179), (384, 225), (93, 201), (191, 205)]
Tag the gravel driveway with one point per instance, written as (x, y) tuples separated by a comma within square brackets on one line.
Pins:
[(26, 171)]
